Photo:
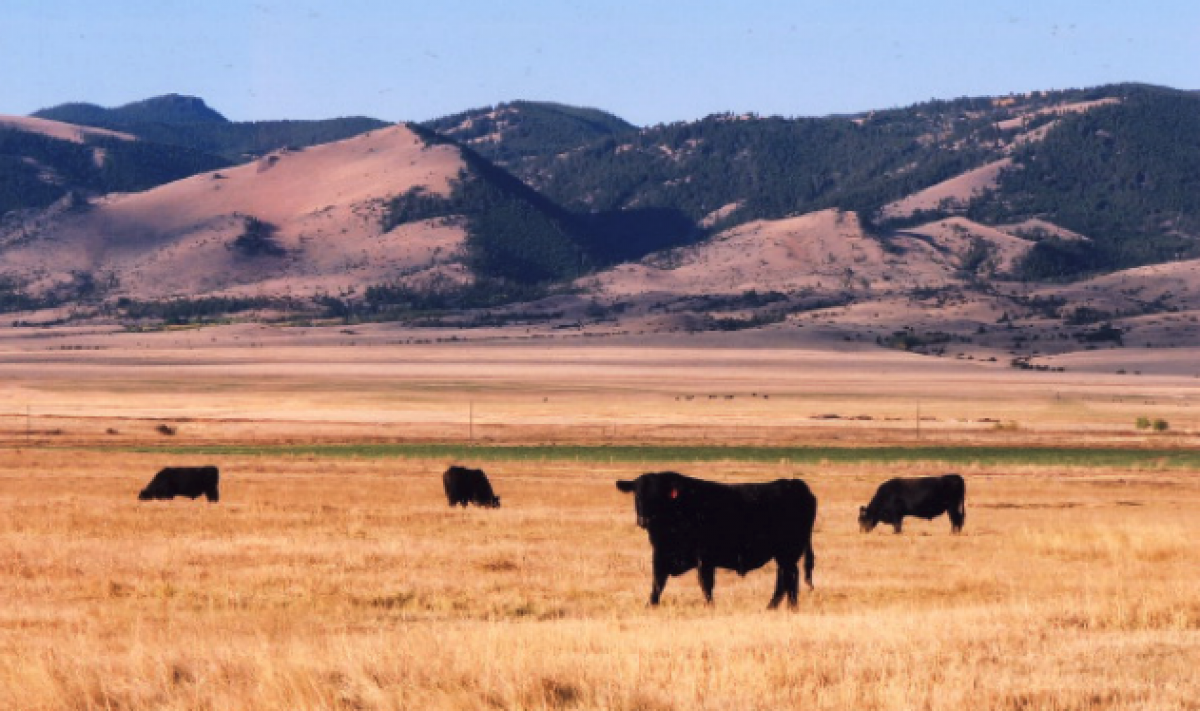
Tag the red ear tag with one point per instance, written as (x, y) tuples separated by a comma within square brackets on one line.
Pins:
[(674, 493)]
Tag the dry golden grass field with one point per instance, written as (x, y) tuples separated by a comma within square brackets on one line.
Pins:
[(338, 579)]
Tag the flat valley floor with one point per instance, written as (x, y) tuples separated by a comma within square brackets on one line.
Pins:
[(333, 575)]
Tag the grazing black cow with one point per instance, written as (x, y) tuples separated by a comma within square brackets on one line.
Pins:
[(924, 497), (707, 525), (469, 486), (183, 481)]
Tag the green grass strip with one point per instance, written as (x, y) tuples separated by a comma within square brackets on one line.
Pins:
[(950, 456)]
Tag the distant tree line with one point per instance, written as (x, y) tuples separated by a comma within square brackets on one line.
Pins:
[(509, 133), (186, 311)]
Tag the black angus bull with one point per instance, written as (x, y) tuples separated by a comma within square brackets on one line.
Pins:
[(707, 525), (183, 481), (924, 497), (469, 486)]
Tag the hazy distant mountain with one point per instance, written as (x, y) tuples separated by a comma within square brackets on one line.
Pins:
[(188, 122), (168, 109)]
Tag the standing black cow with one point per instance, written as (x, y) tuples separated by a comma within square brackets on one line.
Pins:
[(183, 481), (923, 497), (469, 486), (707, 525)]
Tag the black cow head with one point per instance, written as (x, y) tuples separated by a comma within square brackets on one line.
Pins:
[(655, 495), (866, 520), (151, 493), (494, 503)]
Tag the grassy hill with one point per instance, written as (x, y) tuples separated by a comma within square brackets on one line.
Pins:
[(516, 233), (1121, 172), (1126, 175), (1116, 164), (513, 232), (180, 136), (36, 170)]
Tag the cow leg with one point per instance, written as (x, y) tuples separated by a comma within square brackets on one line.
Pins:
[(781, 584), (661, 573), (958, 516), (898, 524), (791, 581), (810, 562), (212, 495), (707, 578)]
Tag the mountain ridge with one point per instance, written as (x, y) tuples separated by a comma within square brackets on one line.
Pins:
[(738, 221)]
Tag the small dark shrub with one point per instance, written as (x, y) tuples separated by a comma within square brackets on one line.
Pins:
[(258, 239)]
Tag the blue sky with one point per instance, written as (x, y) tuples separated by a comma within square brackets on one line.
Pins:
[(649, 62)]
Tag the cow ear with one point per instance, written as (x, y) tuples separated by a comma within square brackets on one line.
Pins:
[(862, 510), (625, 485)]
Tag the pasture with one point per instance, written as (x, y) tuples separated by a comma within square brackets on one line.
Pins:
[(332, 575)]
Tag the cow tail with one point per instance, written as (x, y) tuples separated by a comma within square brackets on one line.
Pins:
[(810, 559), (810, 562), (962, 507)]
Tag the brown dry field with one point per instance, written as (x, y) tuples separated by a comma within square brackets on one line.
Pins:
[(331, 583), (258, 384)]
